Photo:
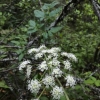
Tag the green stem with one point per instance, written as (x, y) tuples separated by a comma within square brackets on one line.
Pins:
[(43, 75), (67, 98), (41, 93)]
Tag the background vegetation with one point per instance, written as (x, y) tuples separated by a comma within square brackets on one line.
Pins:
[(25, 24)]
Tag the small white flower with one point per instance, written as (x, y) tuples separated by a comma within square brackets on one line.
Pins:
[(54, 55), (50, 64), (35, 50), (54, 50), (56, 62), (64, 54), (48, 81), (28, 70), (72, 57), (38, 55), (67, 65), (49, 57), (57, 72), (70, 80), (34, 86), (34, 99), (44, 51), (23, 64), (57, 92), (43, 66), (42, 47)]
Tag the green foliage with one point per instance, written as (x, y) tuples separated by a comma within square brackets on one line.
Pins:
[(92, 81), (3, 84), (39, 14), (79, 33), (2, 19), (44, 98)]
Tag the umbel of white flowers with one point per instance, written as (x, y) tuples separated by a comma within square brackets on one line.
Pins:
[(54, 64)]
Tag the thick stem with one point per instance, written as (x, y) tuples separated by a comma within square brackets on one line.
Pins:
[(41, 93), (67, 98)]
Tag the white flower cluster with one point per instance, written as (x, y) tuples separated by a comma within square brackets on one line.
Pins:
[(39, 52), (53, 64), (51, 56), (34, 86), (33, 50), (57, 72), (70, 80), (48, 81), (67, 65), (38, 55), (57, 92), (28, 71), (64, 54), (54, 50), (70, 56), (24, 64), (36, 50), (43, 66)]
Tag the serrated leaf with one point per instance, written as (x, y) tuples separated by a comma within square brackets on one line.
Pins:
[(32, 23), (97, 83), (54, 3), (54, 12), (19, 51), (89, 81), (48, 6), (45, 6), (21, 57), (45, 35), (39, 13), (31, 31), (93, 78), (50, 33), (55, 29), (15, 42)]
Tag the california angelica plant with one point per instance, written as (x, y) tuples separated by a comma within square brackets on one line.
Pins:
[(52, 67)]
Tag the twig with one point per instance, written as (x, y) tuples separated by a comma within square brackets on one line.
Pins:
[(41, 5), (96, 8), (11, 46), (30, 43), (97, 70), (7, 59), (67, 8)]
